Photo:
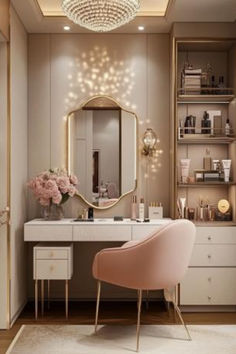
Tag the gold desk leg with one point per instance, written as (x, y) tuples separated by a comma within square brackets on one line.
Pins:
[(147, 300), (36, 298), (42, 297), (66, 296), (48, 294), (97, 305), (182, 320), (138, 318)]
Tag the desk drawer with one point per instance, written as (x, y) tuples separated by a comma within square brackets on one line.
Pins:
[(102, 233), (48, 233), (51, 269), (213, 255), (51, 253), (216, 235), (208, 286), (141, 231)]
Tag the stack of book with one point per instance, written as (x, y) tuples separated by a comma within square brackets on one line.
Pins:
[(191, 81)]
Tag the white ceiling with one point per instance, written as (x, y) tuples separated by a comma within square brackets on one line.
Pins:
[(178, 11)]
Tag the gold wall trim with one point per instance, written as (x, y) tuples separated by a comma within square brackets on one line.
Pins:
[(69, 116)]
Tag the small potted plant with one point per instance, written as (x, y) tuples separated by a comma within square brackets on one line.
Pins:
[(53, 188)]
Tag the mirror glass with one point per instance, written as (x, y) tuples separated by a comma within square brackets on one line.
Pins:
[(102, 151)]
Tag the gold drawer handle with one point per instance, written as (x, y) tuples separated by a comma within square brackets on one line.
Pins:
[(51, 254), (209, 297), (209, 238), (209, 256), (209, 279), (51, 268)]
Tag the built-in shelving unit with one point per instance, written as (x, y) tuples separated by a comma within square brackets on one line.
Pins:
[(220, 57), (212, 266)]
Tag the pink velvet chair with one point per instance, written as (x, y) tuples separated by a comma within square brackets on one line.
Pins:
[(157, 262)]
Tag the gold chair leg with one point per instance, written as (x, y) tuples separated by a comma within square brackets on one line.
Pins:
[(42, 297), (181, 319), (66, 296), (36, 298), (48, 294), (138, 318), (97, 305)]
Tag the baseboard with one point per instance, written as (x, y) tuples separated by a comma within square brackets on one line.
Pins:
[(59, 299), (17, 314), (207, 308)]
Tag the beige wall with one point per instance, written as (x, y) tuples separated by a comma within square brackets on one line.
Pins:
[(61, 69), (19, 162), (204, 30), (58, 66)]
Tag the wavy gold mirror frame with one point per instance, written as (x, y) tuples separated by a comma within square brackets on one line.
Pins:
[(106, 102)]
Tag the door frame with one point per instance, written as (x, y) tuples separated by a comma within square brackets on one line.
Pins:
[(5, 262)]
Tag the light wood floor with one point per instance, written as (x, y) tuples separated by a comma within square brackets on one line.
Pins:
[(110, 313)]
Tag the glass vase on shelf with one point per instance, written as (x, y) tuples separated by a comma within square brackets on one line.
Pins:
[(53, 212)]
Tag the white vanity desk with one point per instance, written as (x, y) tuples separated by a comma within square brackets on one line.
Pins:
[(67, 230), (53, 255)]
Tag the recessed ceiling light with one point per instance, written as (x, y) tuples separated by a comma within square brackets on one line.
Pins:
[(140, 28), (66, 28)]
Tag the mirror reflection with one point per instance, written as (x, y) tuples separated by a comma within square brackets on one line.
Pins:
[(102, 151)]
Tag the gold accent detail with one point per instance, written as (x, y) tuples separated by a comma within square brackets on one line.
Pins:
[(223, 206), (68, 152)]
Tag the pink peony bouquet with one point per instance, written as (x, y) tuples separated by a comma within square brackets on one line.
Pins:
[(53, 187)]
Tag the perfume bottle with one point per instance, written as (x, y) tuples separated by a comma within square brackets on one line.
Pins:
[(221, 86), (134, 208), (213, 85), (227, 128), (141, 209), (206, 123)]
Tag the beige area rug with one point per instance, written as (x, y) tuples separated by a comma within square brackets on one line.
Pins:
[(77, 339)]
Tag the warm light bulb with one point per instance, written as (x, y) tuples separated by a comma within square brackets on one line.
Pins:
[(66, 28), (141, 28)]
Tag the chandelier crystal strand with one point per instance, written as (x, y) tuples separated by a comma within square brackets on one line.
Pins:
[(101, 15)]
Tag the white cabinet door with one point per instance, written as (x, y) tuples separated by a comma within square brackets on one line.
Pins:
[(215, 235), (213, 256), (208, 286)]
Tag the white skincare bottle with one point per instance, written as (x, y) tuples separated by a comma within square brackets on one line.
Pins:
[(141, 209)]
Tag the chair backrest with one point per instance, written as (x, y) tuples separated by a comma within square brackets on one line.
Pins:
[(164, 256)]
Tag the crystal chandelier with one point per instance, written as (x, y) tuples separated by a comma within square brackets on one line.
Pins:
[(101, 15)]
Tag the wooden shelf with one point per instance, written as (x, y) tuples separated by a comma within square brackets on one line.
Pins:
[(205, 184), (213, 140), (214, 223), (205, 98)]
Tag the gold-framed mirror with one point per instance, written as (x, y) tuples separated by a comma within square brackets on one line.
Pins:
[(102, 146)]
